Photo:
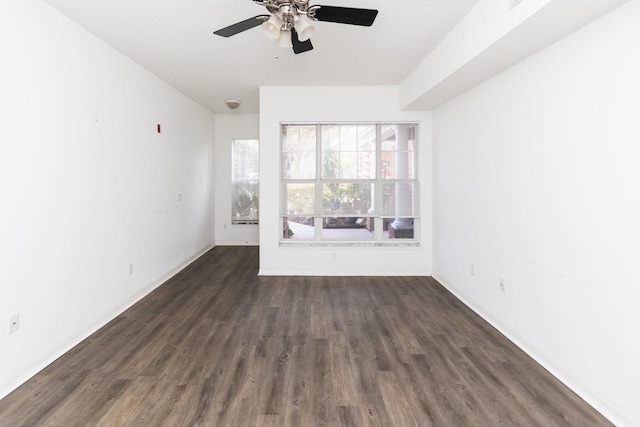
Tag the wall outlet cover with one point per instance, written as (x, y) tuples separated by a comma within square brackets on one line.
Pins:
[(14, 323)]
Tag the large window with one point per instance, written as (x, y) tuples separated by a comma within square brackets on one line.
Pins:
[(349, 183), (245, 167)]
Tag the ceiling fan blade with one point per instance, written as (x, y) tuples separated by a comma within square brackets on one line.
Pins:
[(241, 26), (298, 46), (346, 15)]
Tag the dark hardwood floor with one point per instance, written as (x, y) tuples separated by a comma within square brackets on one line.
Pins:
[(219, 346)]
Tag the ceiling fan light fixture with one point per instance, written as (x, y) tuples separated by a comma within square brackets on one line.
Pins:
[(285, 39), (290, 22), (272, 27), (303, 28)]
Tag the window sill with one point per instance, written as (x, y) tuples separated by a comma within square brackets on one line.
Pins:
[(310, 244)]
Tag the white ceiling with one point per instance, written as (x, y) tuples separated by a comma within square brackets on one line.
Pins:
[(174, 39)]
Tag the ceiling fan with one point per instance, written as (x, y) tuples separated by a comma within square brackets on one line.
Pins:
[(290, 21)]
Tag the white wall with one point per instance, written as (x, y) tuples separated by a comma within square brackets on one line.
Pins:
[(88, 185), (481, 28), (488, 40), (337, 104), (537, 181), (229, 127)]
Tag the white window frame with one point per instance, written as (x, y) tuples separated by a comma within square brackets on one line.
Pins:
[(377, 214), (235, 220)]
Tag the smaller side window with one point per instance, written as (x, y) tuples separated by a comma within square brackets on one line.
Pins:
[(245, 173)]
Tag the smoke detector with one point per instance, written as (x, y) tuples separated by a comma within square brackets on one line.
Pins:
[(232, 103)]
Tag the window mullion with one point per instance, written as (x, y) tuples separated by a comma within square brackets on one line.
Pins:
[(377, 206), (317, 222)]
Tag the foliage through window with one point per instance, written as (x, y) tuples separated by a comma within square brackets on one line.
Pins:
[(245, 166), (349, 182)]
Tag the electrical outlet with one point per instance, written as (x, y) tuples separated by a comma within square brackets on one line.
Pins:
[(130, 268), (14, 323), (503, 284), (472, 270), (334, 256), (179, 196)]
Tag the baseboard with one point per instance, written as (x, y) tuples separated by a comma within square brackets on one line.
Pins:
[(237, 243), (614, 416), (106, 319), (338, 273)]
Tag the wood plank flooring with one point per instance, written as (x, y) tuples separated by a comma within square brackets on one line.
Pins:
[(218, 346)]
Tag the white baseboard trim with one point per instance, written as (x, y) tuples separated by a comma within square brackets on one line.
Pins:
[(237, 243), (106, 319), (338, 273), (607, 410)]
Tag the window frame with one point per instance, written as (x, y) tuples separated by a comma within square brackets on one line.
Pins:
[(377, 215), (235, 221)]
